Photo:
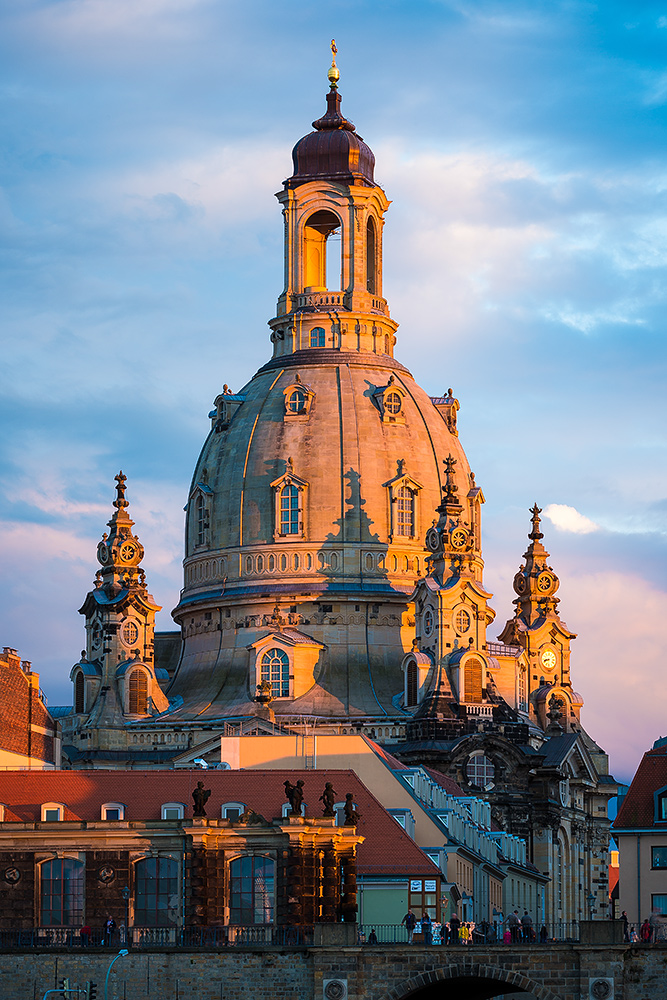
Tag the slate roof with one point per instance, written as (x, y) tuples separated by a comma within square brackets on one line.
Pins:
[(387, 849), (637, 809), (557, 748)]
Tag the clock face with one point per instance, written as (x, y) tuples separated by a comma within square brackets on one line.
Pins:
[(102, 553), (433, 539), (544, 582), (548, 659), (458, 538)]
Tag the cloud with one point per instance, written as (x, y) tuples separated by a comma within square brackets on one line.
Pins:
[(569, 519)]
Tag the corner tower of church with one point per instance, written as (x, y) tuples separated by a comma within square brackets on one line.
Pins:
[(319, 478)]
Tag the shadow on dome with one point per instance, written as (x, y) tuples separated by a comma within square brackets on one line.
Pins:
[(353, 527)]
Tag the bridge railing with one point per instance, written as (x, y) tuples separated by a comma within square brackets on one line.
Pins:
[(145, 938), (542, 934)]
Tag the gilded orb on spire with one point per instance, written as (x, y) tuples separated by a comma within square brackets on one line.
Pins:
[(334, 73)]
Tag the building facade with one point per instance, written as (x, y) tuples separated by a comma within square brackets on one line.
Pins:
[(333, 571)]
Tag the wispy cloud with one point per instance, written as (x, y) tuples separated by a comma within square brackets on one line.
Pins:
[(569, 519)]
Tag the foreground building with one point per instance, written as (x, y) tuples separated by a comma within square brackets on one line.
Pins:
[(333, 573), (640, 830), (77, 847)]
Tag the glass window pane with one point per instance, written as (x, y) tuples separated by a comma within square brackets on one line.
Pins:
[(659, 857), (251, 890), (156, 899)]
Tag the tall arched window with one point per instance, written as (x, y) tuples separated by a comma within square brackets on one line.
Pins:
[(405, 511), (289, 510), (371, 265), (138, 701), (78, 693), (156, 892), (275, 669), (318, 337), (61, 893), (201, 520), (251, 893), (473, 680), (412, 683)]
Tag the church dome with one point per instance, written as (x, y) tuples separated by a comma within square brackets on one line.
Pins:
[(333, 151), (320, 478)]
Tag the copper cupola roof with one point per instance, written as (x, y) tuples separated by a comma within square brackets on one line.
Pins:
[(333, 151)]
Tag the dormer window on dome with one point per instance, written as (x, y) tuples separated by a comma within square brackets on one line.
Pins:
[(389, 401), (289, 494), (298, 399)]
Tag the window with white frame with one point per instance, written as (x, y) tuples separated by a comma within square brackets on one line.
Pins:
[(274, 668), (53, 812), (172, 810), (113, 810), (233, 810)]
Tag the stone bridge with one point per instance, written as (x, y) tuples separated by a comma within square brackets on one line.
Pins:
[(397, 972)]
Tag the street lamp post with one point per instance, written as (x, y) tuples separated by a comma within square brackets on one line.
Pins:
[(121, 954)]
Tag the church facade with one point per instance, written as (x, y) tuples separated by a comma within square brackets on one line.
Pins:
[(333, 572)]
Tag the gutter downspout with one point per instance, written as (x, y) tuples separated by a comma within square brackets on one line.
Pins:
[(639, 881)]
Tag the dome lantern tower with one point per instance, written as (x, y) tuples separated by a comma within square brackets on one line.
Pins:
[(334, 216)]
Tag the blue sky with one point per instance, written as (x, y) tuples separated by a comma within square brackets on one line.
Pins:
[(525, 259)]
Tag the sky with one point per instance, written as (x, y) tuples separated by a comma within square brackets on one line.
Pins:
[(525, 258)]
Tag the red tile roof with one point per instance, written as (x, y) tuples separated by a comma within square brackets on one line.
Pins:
[(637, 810), (387, 849)]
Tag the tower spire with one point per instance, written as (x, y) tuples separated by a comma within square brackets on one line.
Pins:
[(334, 73)]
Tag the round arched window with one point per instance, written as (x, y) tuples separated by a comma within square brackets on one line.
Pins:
[(428, 622), (480, 771), (462, 621), (275, 670), (296, 402), (392, 402)]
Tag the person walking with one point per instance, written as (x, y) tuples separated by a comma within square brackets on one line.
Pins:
[(646, 932), (454, 928), (624, 921), (427, 928), (527, 928), (514, 926), (410, 922), (109, 927)]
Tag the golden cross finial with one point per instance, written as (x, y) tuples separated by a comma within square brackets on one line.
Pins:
[(334, 74)]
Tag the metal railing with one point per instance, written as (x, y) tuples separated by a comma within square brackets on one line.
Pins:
[(499, 934), (229, 936), (278, 935)]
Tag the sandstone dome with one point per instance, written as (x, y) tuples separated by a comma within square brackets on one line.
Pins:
[(316, 486)]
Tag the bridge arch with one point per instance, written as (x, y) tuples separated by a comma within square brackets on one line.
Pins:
[(476, 981)]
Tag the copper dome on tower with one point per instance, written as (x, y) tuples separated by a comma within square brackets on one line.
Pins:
[(333, 151)]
